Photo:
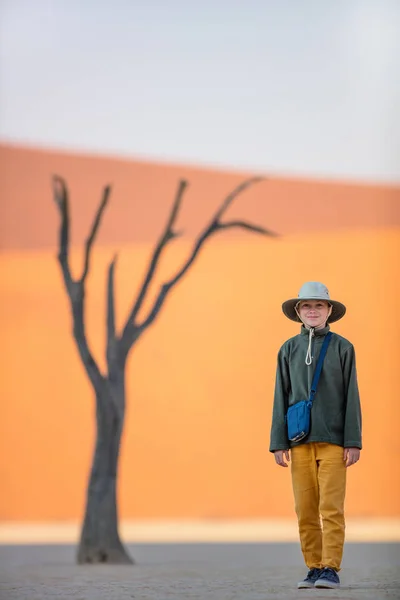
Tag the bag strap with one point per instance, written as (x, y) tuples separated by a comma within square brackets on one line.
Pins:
[(318, 368)]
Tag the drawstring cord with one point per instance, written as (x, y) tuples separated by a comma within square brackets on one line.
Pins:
[(311, 334), (309, 358)]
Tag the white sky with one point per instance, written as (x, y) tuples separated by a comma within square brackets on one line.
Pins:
[(309, 87)]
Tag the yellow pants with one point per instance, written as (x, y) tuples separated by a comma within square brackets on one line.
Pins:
[(319, 487)]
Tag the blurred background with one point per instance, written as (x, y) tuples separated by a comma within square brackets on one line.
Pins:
[(139, 95)]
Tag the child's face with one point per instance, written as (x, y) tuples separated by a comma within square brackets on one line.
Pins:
[(314, 313)]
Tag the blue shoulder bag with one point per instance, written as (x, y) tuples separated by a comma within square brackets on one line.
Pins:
[(298, 416)]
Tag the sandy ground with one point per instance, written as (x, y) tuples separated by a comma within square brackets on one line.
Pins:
[(214, 530), (195, 571)]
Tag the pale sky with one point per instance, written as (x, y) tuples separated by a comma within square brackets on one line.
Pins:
[(303, 87)]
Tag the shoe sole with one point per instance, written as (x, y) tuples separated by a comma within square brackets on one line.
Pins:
[(328, 586), (304, 586)]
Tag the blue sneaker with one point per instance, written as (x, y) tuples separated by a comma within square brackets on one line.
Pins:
[(309, 581), (328, 579)]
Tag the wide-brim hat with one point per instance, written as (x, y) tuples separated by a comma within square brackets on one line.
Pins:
[(313, 290)]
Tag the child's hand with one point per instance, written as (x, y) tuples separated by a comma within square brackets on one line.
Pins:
[(351, 456), (279, 457)]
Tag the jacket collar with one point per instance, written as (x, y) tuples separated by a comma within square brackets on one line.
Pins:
[(317, 332)]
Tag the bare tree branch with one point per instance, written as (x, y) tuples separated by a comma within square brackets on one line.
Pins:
[(75, 288), (132, 330), (95, 226), (234, 193), (248, 226), (111, 338), (77, 297), (168, 235), (61, 199), (212, 228)]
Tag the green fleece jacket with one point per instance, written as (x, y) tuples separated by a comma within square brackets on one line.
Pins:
[(336, 411)]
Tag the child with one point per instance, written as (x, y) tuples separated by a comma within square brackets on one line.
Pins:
[(320, 460)]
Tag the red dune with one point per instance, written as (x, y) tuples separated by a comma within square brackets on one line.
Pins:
[(143, 193)]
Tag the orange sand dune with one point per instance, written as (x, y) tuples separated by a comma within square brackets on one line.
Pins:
[(143, 194), (200, 381)]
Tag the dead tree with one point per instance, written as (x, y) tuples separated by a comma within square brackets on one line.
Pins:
[(100, 541)]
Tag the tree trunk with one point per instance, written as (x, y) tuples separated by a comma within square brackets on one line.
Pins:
[(100, 541)]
